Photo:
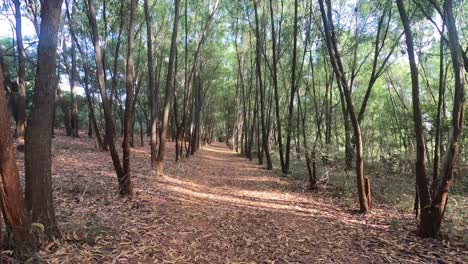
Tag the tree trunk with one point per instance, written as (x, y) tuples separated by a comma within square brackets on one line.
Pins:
[(90, 126), (92, 116), (38, 156), (125, 187), (21, 100), (74, 103), (363, 184), (11, 198), (265, 140), (435, 170), (109, 121), (275, 87), (169, 93), (440, 200), (293, 92), (151, 87), (421, 180)]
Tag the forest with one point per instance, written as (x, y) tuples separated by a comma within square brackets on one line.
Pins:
[(248, 131)]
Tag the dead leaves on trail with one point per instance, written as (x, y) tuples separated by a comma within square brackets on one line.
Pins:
[(217, 207)]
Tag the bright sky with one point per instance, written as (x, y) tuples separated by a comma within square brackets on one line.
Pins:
[(7, 29)]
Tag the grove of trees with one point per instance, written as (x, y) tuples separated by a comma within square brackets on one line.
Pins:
[(307, 84)]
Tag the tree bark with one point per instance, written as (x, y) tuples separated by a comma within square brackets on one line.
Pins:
[(440, 101), (90, 100), (21, 100), (38, 156), (293, 92), (363, 184), (73, 74), (451, 155), (264, 129), (275, 87), (421, 180), (125, 187), (14, 212), (169, 93), (109, 121), (151, 87)]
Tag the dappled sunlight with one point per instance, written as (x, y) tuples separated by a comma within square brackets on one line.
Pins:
[(217, 148), (269, 201), (215, 201), (215, 158)]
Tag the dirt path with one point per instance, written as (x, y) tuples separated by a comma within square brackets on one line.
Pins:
[(216, 207)]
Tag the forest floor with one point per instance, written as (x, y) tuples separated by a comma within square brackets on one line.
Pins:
[(217, 207)]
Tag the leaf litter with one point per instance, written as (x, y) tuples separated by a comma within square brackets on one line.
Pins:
[(217, 207)]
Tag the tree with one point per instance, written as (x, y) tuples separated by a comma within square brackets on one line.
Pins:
[(284, 169), (38, 158), (16, 218), (363, 183), (432, 207), (258, 63), (151, 86), (125, 187), (109, 120), (293, 91), (21, 101), (169, 92)]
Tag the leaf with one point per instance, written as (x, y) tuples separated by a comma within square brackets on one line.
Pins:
[(39, 226)]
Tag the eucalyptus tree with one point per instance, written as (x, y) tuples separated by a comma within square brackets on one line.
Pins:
[(38, 156), (169, 92), (363, 183)]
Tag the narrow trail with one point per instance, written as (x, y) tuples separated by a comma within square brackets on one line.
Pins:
[(216, 207)]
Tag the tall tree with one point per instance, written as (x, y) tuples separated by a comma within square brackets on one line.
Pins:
[(169, 93), (258, 52), (38, 156), (440, 199), (109, 120), (125, 187), (21, 101), (293, 92), (421, 179), (363, 183), (92, 116), (432, 207), (73, 88), (275, 87), (151, 86), (14, 212)]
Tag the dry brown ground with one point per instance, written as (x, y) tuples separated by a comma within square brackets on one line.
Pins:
[(217, 207)]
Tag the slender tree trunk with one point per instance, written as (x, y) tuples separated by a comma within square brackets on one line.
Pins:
[(265, 140), (275, 87), (109, 121), (125, 187), (435, 170), (363, 183), (169, 93), (421, 181), (14, 212), (38, 156), (74, 103), (21, 100), (89, 98), (90, 125), (177, 127), (151, 86), (451, 154), (293, 92)]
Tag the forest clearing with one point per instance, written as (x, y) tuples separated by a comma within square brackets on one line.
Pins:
[(248, 131)]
